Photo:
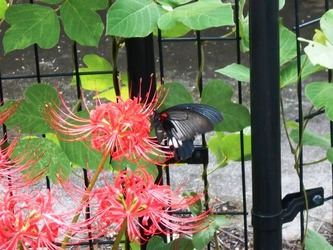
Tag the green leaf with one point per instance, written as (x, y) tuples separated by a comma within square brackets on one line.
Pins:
[(226, 147), (243, 28), (176, 94), (215, 146), (319, 93), (320, 51), (81, 155), (197, 207), (172, 3), (132, 18), (231, 147), (98, 82), (123, 164), (81, 22), (175, 29), (52, 1), (326, 23), (202, 238), (53, 162), (3, 8), (289, 74), (281, 4), (287, 45), (329, 155), (31, 23), (321, 96), (157, 242), (236, 71), (315, 241), (218, 94), (199, 15), (311, 139), (28, 117)]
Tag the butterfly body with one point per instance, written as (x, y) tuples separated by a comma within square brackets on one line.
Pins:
[(178, 125)]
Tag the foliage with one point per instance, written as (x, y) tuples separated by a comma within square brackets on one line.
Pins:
[(316, 241), (40, 24)]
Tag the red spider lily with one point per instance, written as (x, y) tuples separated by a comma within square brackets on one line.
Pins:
[(29, 221), (120, 129), (136, 200), (12, 166)]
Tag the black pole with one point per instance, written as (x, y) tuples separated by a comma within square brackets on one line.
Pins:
[(142, 80), (265, 122), (141, 65)]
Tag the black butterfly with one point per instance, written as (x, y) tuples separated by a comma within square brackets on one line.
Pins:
[(178, 125)]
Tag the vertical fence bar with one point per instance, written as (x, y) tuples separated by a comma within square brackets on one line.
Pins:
[(241, 135), (265, 122)]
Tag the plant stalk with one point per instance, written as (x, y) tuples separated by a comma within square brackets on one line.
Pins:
[(86, 196)]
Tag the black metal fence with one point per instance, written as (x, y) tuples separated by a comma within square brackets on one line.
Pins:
[(269, 212)]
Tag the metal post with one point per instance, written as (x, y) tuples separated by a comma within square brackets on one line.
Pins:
[(142, 80), (141, 65), (265, 120)]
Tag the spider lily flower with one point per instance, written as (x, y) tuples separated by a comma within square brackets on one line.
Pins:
[(121, 129), (29, 221), (136, 200)]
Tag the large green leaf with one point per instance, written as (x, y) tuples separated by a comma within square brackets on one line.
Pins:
[(309, 138), (226, 147), (157, 242), (287, 45), (289, 74), (28, 117), (321, 96), (52, 163), (31, 23), (315, 241), (236, 71), (81, 22), (132, 18), (202, 238), (320, 50), (97, 82), (3, 8), (198, 15), (218, 94)]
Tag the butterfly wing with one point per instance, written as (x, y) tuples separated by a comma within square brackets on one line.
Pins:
[(179, 124), (187, 120)]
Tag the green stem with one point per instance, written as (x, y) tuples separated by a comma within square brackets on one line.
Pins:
[(120, 235), (86, 197), (216, 239)]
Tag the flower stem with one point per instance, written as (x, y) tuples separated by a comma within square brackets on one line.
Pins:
[(120, 235), (86, 196)]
